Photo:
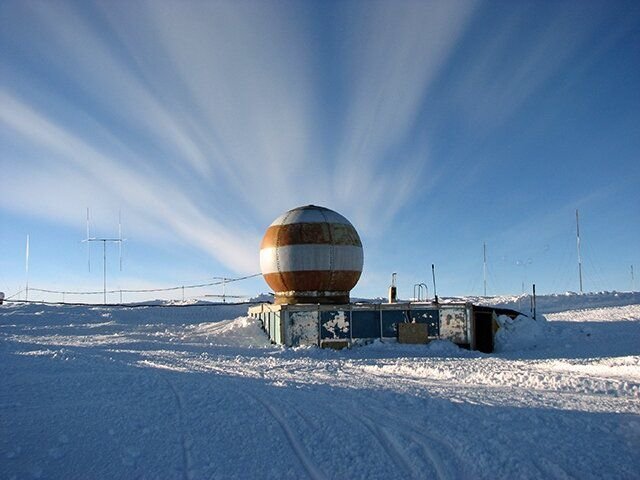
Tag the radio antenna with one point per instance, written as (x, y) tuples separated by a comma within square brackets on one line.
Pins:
[(579, 256), (120, 236), (484, 267), (87, 240), (26, 267), (104, 241)]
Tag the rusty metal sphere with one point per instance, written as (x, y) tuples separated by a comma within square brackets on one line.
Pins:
[(311, 255)]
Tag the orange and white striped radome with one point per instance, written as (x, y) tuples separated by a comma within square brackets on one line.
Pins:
[(311, 255)]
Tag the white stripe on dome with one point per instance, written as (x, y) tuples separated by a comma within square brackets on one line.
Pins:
[(300, 258), (310, 215)]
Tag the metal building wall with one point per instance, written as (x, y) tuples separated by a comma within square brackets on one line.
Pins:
[(298, 325)]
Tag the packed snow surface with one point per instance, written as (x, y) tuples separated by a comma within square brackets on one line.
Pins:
[(198, 392)]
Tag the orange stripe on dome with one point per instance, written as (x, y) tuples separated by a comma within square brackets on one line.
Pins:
[(312, 280), (310, 234)]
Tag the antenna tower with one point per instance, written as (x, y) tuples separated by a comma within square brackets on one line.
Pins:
[(26, 268), (484, 267), (579, 256), (104, 241)]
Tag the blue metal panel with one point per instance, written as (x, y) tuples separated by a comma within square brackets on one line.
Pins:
[(429, 316), (277, 332), (365, 323), (390, 320), (335, 325), (274, 327)]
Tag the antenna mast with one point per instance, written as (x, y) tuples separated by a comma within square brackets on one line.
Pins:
[(26, 267), (88, 247), (120, 237), (579, 256), (433, 274), (104, 241), (484, 267)]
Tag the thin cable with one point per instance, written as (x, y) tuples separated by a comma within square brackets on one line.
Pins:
[(147, 290), (14, 295), (135, 305)]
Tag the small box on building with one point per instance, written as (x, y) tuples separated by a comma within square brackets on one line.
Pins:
[(413, 333), (335, 344)]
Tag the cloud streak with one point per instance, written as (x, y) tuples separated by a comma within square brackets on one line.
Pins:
[(200, 115), (527, 49), (153, 203), (394, 52), (205, 120)]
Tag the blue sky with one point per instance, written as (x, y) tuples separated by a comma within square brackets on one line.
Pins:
[(432, 126)]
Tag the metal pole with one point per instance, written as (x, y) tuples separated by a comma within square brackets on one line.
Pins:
[(120, 237), (26, 295), (433, 274), (484, 267), (579, 257), (104, 271), (534, 301), (88, 244), (633, 283)]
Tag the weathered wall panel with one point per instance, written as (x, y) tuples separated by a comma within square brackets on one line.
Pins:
[(390, 321), (304, 328), (335, 325), (430, 317), (453, 324)]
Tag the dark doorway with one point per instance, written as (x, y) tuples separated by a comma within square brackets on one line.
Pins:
[(483, 329)]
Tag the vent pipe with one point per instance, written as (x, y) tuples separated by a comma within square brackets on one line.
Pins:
[(393, 291), (433, 274)]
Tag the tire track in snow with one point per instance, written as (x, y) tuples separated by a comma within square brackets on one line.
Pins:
[(392, 448), (427, 443), (308, 464), (184, 442), (440, 467), (389, 445)]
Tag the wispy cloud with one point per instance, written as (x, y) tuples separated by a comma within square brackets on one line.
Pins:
[(203, 119), (528, 47), (394, 52), (55, 192)]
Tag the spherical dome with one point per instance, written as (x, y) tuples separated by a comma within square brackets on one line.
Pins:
[(311, 255)]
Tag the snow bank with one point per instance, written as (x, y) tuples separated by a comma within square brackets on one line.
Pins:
[(520, 333), (240, 332), (559, 302)]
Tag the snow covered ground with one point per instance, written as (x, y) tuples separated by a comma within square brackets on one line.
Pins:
[(198, 392)]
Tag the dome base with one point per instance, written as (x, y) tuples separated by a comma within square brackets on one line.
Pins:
[(323, 298)]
